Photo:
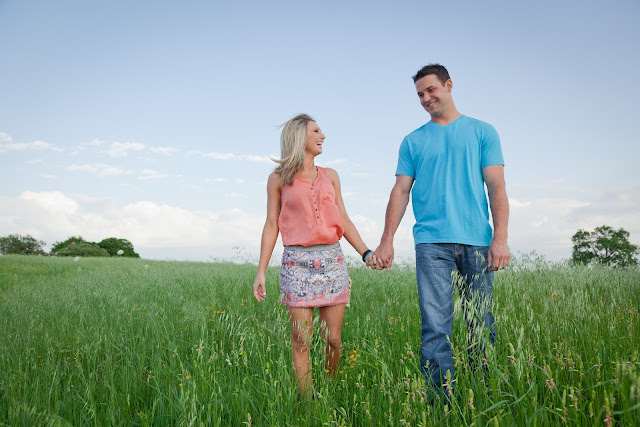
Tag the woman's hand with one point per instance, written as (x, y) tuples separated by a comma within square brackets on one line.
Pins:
[(375, 263), (259, 288)]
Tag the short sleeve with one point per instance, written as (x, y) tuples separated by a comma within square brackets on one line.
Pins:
[(405, 164), (491, 149)]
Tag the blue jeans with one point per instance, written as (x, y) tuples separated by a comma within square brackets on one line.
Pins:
[(441, 267)]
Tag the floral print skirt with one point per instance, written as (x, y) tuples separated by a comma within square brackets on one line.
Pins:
[(314, 276)]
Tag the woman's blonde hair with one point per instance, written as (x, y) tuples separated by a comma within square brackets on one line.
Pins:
[(293, 141)]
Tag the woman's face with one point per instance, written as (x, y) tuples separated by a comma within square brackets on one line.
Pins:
[(315, 138)]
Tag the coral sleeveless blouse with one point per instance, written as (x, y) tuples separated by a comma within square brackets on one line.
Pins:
[(308, 212)]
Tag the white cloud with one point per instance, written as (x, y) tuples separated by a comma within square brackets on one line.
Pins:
[(260, 159), (235, 196), (83, 168), (220, 156), (122, 149), (514, 203), (54, 201), (149, 174), (99, 169), (116, 149), (112, 170), (163, 150), (7, 144), (614, 205), (96, 143), (333, 162), (166, 231), (230, 156), (108, 170)]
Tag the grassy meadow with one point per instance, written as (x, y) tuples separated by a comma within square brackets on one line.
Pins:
[(117, 341)]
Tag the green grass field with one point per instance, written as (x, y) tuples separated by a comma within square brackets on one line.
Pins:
[(106, 341)]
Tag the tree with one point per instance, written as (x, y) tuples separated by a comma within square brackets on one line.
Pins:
[(57, 246), (113, 245), (77, 246), (83, 249), (605, 245), (21, 245)]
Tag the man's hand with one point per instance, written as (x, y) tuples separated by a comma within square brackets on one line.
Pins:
[(384, 255), (499, 256)]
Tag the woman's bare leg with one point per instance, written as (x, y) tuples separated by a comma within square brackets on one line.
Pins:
[(301, 330), (332, 317)]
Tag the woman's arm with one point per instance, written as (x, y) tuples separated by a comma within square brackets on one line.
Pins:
[(350, 232), (269, 235)]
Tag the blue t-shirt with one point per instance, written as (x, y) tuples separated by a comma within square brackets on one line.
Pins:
[(448, 194)]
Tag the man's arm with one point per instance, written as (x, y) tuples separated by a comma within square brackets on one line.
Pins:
[(499, 255), (398, 201)]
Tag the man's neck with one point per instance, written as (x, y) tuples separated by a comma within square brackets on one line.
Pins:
[(447, 117)]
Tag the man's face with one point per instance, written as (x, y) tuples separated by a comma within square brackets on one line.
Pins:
[(434, 96)]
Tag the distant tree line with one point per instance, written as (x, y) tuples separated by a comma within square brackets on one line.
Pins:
[(73, 246), (605, 245)]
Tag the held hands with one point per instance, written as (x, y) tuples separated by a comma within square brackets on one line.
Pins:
[(381, 258), (259, 288), (374, 263)]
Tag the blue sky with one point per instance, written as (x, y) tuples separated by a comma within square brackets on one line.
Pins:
[(154, 120)]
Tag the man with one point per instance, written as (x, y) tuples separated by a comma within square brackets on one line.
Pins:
[(445, 165)]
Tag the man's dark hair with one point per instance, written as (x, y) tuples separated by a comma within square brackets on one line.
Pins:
[(437, 69)]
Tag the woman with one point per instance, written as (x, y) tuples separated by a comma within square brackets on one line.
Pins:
[(304, 203)]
